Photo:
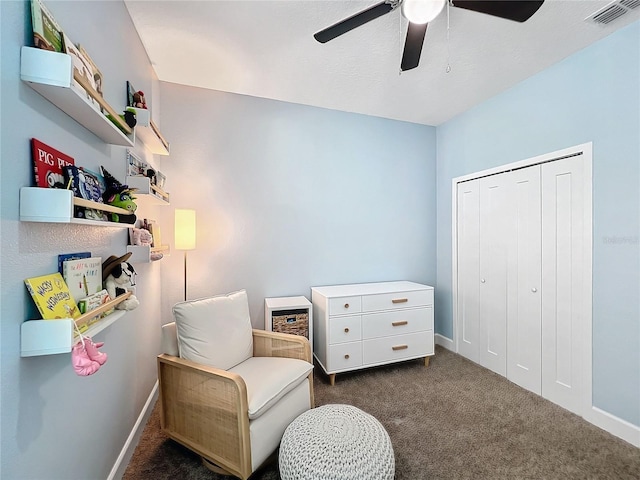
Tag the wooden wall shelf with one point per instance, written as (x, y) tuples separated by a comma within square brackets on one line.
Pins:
[(142, 253), (146, 191), (51, 74), (55, 205), (149, 133), (49, 337)]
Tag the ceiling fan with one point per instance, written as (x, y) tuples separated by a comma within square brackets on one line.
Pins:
[(420, 12)]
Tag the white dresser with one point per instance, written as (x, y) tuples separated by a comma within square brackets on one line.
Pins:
[(368, 324)]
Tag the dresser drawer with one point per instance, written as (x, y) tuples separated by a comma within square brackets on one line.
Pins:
[(344, 356), (398, 347), (345, 329), (398, 322), (344, 305), (389, 301)]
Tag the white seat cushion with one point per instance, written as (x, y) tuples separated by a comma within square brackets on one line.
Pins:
[(215, 331), (268, 379)]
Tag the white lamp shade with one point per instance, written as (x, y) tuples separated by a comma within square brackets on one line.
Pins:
[(185, 229), (422, 11)]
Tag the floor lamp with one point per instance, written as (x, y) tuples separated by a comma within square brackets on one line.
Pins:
[(185, 236)]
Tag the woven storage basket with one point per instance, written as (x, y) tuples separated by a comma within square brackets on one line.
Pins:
[(295, 322)]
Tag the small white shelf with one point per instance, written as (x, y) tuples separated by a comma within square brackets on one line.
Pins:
[(146, 191), (149, 133), (51, 75), (55, 205), (280, 304), (142, 253), (49, 337)]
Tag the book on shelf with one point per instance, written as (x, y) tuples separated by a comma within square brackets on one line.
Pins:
[(63, 257), (94, 301), (84, 67), (46, 32), (83, 276), (52, 296), (48, 164)]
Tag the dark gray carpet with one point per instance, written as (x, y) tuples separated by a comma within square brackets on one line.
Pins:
[(452, 420)]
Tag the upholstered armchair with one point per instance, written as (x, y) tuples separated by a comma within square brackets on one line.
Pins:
[(227, 391)]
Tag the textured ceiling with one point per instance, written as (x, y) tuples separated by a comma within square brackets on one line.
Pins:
[(266, 49)]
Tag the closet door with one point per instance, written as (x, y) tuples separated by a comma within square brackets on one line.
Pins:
[(562, 280), (495, 226), (468, 288), (524, 324)]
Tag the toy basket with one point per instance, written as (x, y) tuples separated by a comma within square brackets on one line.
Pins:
[(295, 322)]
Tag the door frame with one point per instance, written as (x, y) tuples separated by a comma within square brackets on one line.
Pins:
[(586, 337)]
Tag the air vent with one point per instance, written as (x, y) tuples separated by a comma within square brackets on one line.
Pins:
[(614, 10)]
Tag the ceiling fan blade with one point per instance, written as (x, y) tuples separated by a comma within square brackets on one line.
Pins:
[(354, 21), (413, 45), (516, 10)]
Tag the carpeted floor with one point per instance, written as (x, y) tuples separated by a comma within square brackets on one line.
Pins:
[(452, 420)]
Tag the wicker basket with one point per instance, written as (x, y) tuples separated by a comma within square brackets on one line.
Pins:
[(295, 322)]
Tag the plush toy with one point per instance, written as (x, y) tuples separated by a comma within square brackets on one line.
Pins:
[(118, 277), (138, 100), (120, 196)]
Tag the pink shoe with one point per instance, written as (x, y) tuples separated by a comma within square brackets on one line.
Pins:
[(93, 352), (81, 362)]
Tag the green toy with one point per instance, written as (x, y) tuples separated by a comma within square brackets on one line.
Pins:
[(120, 196)]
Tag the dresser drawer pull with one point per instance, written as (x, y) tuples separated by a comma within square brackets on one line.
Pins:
[(346, 330), (346, 357), (399, 347), (400, 323), (400, 300), (346, 305)]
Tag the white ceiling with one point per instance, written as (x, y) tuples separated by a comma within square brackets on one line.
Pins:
[(265, 48)]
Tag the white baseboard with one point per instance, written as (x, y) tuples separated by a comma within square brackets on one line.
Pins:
[(614, 425), (444, 342), (134, 437)]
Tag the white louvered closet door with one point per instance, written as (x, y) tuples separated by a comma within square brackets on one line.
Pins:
[(562, 288), (468, 298)]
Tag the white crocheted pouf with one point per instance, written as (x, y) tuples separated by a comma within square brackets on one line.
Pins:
[(336, 442)]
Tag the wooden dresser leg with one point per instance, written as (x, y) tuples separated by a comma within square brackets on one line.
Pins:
[(332, 379), (426, 361)]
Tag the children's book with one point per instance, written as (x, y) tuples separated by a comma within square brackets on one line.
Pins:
[(52, 296), (70, 256), (83, 276), (47, 165), (46, 32)]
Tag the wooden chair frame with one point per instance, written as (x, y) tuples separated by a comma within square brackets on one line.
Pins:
[(206, 409)]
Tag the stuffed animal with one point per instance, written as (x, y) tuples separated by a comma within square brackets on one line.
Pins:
[(120, 196), (118, 277), (138, 100)]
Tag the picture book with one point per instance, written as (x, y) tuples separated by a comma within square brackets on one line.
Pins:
[(84, 69), (46, 32), (47, 165), (94, 301), (52, 296), (70, 256), (83, 276)]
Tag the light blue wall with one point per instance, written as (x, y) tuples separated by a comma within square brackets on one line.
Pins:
[(289, 197), (56, 425), (592, 96)]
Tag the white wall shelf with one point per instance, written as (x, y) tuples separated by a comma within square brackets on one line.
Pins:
[(56, 205), (149, 133), (49, 337), (142, 253), (148, 192), (51, 74)]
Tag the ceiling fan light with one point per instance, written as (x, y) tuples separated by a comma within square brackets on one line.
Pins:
[(422, 11)]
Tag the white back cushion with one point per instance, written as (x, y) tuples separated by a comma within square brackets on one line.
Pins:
[(215, 331)]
